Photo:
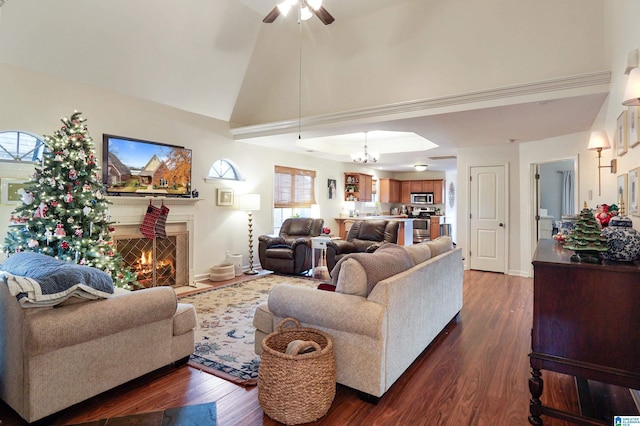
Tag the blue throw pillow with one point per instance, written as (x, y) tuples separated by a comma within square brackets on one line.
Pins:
[(55, 275)]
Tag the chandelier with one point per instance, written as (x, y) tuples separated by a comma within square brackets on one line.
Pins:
[(365, 157)]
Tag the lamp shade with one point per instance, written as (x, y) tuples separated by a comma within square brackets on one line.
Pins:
[(599, 140), (249, 202), (632, 91)]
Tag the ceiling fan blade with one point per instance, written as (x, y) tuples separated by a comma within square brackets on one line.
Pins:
[(271, 16), (323, 15)]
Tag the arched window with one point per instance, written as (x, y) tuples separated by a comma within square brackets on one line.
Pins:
[(224, 169), (21, 146)]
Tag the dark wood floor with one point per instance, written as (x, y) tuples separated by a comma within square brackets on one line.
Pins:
[(475, 373)]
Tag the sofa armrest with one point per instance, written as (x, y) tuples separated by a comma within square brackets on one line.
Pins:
[(81, 322), (305, 241), (341, 246), (271, 240), (329, 310)]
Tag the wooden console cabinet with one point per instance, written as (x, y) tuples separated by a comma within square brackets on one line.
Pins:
[(586, 323)]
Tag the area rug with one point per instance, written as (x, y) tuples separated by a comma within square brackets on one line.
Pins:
[(224, 336), (191, 415)]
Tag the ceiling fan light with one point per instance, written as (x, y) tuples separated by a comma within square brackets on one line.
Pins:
[(284, 7), (420, 167), (305, 13), (314, 4)]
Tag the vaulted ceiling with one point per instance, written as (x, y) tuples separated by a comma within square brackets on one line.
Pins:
[(457, 72)]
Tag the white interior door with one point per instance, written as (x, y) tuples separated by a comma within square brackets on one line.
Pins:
[(487, 219)]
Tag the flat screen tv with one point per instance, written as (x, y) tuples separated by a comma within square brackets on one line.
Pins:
[(140, 168)]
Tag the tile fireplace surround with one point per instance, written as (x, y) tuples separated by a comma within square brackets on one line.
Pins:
[(128, 213)]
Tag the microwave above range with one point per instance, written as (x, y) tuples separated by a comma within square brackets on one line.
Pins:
[(422, 198)]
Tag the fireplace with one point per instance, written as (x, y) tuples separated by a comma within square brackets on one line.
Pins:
[(157, 262)]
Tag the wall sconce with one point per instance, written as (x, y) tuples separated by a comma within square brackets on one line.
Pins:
[(597, 142), (632, 90)]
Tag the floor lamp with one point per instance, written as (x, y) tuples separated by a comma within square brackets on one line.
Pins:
[(250, 203)]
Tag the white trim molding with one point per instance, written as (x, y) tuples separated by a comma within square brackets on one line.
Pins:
[(584, 83)]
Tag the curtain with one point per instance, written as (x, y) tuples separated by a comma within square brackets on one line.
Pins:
[(567, 192), (294, 187)]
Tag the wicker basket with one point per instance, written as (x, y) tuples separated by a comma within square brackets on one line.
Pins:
[(300, 388)]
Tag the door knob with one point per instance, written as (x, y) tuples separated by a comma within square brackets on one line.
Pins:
[(501, 224)]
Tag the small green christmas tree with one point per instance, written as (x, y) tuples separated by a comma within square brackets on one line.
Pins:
[(586, 238), (64, 213)]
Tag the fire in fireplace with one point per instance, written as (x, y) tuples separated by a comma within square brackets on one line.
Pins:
[(157, 262)]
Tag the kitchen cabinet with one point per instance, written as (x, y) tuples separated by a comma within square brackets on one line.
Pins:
[(434, 227), (438, 191), (416, 186), (427, 186), (431, 185), (405, 191), (357, 187), (390, 191)]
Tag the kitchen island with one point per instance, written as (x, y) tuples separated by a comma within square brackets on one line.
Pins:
[(405, 233)]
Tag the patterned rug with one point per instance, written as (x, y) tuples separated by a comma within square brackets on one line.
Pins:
[(224, 334)]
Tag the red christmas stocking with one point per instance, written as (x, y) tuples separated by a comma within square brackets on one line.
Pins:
[(149, 223), (160, 228)]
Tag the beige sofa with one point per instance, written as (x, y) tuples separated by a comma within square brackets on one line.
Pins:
[(54, 357), (377, 332)]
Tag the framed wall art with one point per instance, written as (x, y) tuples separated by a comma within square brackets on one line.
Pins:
[(11, 190), (621, 134), (225, 197), (633, 192), (633, 119), (623, 193), (331, 187)]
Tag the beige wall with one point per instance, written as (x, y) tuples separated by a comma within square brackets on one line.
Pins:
[(419, 49), (35, 103)]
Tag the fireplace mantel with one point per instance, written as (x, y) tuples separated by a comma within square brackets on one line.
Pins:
[(138, 201)]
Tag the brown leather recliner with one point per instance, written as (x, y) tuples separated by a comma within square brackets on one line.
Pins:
[(364, 236), (290, 252)]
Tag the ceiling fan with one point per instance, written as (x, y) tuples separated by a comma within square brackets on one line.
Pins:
[(307, 8)]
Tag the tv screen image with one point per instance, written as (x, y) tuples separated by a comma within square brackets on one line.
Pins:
[(138, 167)]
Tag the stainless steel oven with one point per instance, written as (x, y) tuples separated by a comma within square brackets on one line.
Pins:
[(421, 230)]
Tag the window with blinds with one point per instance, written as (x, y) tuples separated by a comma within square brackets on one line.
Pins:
[(294, 187)]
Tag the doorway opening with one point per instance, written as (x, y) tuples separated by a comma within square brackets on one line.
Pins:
[(555, 195)]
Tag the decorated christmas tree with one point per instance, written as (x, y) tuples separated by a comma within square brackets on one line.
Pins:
[(586, 238), (64, 213)]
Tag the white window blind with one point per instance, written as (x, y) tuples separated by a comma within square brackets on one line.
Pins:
[(294, 187)]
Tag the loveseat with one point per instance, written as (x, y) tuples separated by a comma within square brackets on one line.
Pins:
[(53, 357), (387, 307)]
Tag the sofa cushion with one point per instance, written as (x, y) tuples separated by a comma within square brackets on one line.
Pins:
[(419, 252), (440, 245), (390, 259), (352, 278)]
